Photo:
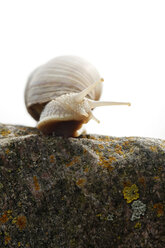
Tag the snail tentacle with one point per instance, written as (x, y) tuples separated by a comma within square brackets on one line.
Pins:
[(95, 104), (80, 96)]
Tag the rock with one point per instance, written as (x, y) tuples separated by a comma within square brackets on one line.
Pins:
[(93, 191)]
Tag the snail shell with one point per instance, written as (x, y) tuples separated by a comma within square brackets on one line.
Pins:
[(61, 94)]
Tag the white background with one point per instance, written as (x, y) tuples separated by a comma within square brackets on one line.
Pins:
[(124, 39)]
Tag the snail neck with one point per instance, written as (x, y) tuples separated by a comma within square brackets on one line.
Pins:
[(61, 128), (63, 117)]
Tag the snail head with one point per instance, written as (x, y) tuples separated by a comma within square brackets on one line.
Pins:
[(66, 114)]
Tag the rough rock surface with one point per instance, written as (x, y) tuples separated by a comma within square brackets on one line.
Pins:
[(93, 191)]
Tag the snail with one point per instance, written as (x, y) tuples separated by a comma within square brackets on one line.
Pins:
[(62, 93)]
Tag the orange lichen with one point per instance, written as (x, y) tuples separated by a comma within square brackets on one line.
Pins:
[(101, 146), (111, 159), (105, 139), (120, 152), (85, 151), (118, 149), (130, 138), (108, 139), (7, 151), (36, 184), (159, 209), (127, 183), (98, 153), (126, 143), (80, 182), (52, 159), (93, 137), (131, 193), (110, 167), (106, 163), (75, 160), (142, 181), (7, 239), (5, 132), (86, 170), (4, 218), (21, 222)]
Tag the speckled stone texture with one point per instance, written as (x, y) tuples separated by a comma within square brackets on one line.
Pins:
[(87, 192)]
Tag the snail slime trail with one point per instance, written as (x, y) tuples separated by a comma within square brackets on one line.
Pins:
[(62, 93)]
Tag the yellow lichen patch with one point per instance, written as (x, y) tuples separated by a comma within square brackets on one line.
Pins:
[(14, 220), (159, 209), (7, 239), (153, 148), (36, 183), (21, 222), (157, 178), (9, 211), (52, 159), (75, 160), (98, 215), (137, 225), (131, 193), (5, 132), (80, 182)]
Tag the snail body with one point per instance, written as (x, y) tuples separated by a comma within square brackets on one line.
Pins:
[(62, 93)]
